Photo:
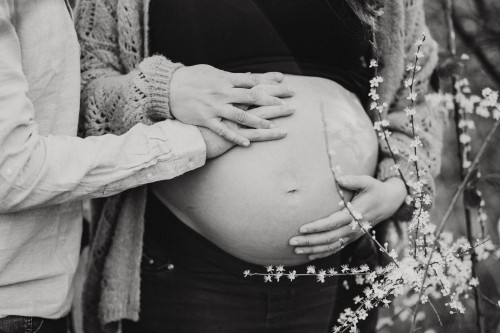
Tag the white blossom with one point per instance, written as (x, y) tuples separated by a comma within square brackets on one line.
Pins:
[(376, 81), (311, 269), (408, 82), (450, 273), (410, 111), (412, 96)]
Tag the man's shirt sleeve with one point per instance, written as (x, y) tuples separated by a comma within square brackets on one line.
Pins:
[(38, 170)]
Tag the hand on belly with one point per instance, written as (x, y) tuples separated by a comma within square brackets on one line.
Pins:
[(251, 201)]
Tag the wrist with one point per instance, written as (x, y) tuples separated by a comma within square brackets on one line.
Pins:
[(398, 187), (156, 73), (174, 82)]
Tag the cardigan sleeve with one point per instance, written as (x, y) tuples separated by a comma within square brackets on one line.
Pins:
[(113, 98), (428, 122)]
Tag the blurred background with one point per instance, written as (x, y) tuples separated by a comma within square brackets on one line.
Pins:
[(477, 25)]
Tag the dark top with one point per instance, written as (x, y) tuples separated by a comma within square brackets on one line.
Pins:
[(321, 38)]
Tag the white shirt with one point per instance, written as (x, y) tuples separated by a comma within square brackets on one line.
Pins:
[(45, 170)]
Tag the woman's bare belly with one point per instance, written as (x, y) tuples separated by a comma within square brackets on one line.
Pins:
[(251, 201)]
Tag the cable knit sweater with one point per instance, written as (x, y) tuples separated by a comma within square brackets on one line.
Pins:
[(123, 85)]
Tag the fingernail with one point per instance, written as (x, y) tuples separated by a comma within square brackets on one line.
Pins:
[(303, 230), (294, 242), (272, 125), (290, 89), (299, 251), (290, 108), (283, 131), (246, 143)]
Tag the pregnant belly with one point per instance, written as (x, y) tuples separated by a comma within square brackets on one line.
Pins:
[(251, 201)]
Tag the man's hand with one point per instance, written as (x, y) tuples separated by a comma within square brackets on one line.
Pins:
[(374, 200), (201, 95), (217, 145)]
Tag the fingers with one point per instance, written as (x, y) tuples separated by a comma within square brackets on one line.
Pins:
[(316, 239), (322, 255), (255, 135), (260, 95), (356, 182), (328, 242), (256, 118), (332, 247), (271, 112), (280, 90), (270, 77), (248, 80), (332, 222), (324, 238), (245, 118), (221, 129)]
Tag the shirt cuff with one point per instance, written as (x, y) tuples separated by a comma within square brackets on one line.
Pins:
[(174, 148), (185, 143)]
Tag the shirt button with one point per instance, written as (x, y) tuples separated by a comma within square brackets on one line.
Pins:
[(170, 267)]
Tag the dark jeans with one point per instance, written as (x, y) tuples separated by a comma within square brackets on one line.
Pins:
[(18, 324), (189, 285), (363, 251)]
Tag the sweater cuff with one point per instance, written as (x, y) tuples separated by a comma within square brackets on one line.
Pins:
[(386, 170), (158, 71)]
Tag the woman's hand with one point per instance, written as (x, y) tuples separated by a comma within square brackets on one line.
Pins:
[(374, 200), (201, 95), (217, 145)]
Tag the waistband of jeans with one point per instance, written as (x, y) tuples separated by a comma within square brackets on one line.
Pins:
[(25, 322), (179, 240)]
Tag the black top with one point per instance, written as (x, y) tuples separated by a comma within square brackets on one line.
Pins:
[(321, 38)]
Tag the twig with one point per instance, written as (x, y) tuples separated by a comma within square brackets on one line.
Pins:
[(490, 300), (449, 210), (464, 182), (339, 190), (462, 154), (384, 133), (307, 274), (437, 314)]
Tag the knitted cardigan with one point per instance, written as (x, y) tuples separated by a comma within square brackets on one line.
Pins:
[(122, 85)]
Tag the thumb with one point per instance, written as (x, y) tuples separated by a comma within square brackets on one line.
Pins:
[(356, 183)]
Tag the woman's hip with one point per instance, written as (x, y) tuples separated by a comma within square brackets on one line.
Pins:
[(188, 284), (179, 297)]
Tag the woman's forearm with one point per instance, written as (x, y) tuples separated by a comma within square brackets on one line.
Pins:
[(115, 98), (427, 122)]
